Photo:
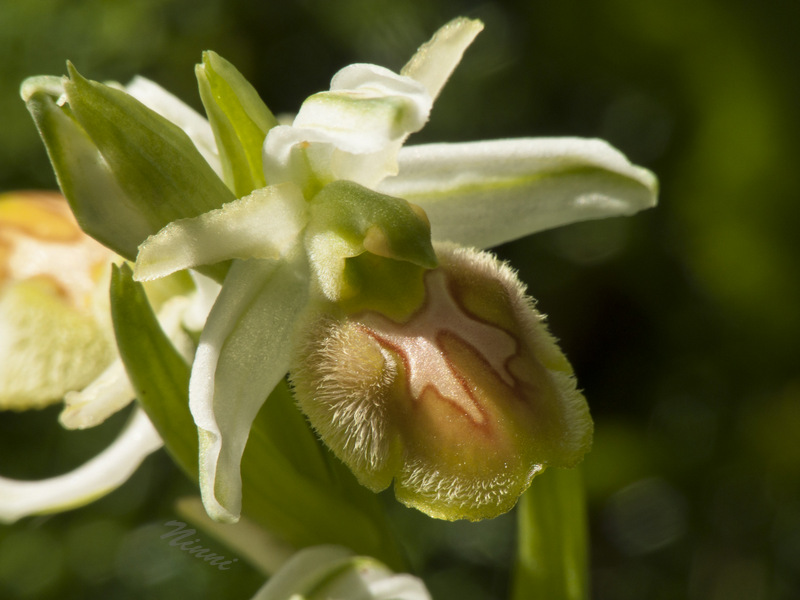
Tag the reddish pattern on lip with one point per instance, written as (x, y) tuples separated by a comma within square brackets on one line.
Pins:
[(420, 345), (461, 404)]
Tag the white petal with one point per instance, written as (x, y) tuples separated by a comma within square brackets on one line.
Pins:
[(303, 571), (156, 98), (99, 400), (351, 132), (367, 107), (399, 587), (243, 353), (437, 59), (112, 390), (263, 224), (102, 474), (487, 193), (323, 572), (310, 158), (205, 294)]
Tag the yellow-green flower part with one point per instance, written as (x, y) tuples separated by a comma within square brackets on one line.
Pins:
[(54, 330)]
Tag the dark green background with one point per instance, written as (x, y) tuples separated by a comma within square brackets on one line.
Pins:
[(683, 323)]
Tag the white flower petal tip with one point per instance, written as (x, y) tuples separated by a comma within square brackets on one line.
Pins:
[(106, 395), (462, 404), (436, 60), (264, 224), (367, 107), (488, 193), (323, 572), (351, 132), (101, 475)]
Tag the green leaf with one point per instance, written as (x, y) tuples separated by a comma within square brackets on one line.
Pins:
[(297, 490), (153, 160), (552, 559), (239, 119), (101, 206), (157, 371)]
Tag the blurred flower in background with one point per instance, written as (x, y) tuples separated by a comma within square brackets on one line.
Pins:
[(56, 328), (56, 342)]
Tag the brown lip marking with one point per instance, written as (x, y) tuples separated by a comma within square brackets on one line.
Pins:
[(476, 409), (431, 368)]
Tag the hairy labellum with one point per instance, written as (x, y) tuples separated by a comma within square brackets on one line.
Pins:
[(462, 404)]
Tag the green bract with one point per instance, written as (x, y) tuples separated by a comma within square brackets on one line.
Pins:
[(239, 119), (416, 363)]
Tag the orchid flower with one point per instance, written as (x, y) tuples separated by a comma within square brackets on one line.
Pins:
[(56, 336), (347, 261)]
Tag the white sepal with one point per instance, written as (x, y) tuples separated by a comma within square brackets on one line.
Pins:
[(487, 193)]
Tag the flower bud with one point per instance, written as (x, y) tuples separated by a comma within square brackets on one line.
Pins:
[(324, 572), (462, 403)]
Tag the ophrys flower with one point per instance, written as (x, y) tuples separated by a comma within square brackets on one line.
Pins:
[(322, 234)]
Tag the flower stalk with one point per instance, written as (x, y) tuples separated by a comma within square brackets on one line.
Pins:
[(553, 539)]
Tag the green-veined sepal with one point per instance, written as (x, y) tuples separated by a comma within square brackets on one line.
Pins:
[(486, 193)]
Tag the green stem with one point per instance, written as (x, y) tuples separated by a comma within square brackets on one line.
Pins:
[(552, 554)]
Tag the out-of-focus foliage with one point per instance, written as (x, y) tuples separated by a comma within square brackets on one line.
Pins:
[(682, 323)]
